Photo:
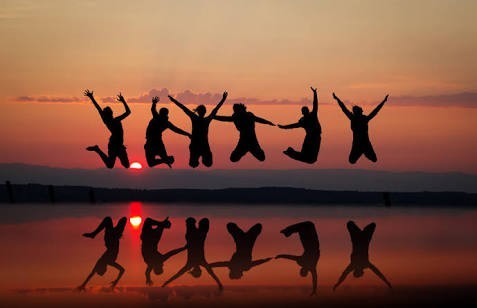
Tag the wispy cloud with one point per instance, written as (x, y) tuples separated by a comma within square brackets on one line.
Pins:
[(465, 99)]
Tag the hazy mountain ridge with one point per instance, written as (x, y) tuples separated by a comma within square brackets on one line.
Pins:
[(317, 179)]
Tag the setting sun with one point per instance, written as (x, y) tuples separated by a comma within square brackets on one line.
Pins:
[(135, 221), (136, 165)]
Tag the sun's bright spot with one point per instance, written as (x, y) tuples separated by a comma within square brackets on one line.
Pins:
[(135, 221), (135, 165)]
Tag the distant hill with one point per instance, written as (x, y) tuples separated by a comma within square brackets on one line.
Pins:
[(162, 178), (246, 196)]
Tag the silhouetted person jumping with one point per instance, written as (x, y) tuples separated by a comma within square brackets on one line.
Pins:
[(199, 144), (242, 258), (195, 238), (311, 253), (360, 240), (116, 146), (112, 234), (150, 236), (311, 144), (359, 126), (154, 145), (245, 123)]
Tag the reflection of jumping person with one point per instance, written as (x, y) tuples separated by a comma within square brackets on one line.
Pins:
[(195, 238), (111, 240), (245, 123), (150, 236), (242, 258), (116, 146), (154, 145), (359, 126), (199, 144), (311, 144), (360, 240), (311, 253)]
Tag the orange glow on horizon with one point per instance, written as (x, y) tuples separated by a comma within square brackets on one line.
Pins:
[(135, 221), (136, 165)]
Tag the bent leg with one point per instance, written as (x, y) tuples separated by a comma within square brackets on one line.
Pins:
[(355, 153), (258, 152), (370, 154), (123, 157), (207, 158), (239, 152), (107, 160)]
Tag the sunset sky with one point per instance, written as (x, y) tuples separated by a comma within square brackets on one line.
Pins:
[(265, 54)]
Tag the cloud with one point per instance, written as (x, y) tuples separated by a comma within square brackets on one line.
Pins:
[(464, 99)]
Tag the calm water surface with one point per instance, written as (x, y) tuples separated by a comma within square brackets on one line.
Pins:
[(42, 246)]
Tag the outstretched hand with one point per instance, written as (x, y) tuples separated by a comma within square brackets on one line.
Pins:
[(386, 98), (334, 96), (120, 98), (224, 96), (155, 100), (88, 93)]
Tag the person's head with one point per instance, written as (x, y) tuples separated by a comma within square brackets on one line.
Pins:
[(305, 110), (100, 267), (357, 110), (358, 272), (200, 110), (158, 268), (196, 272), (303, 271), (164, 112), (239, 107), (108, 112), (235, 274)]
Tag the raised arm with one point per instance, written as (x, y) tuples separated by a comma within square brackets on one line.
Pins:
[(376, 110), (121, 99), (181, 106), (179, 131), (314, 281), (181, 272), (290, 126), (345, 273), (343, 107), (263, 121), (216, 109), (379, 274), (174, 252), (89, 94), (148, 275), (120, 274), (315, 100), (155, 100)]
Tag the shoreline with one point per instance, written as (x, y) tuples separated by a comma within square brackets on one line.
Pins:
[(39, 193)]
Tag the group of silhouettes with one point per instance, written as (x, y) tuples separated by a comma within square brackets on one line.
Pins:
[(241, 259), (243, 120)]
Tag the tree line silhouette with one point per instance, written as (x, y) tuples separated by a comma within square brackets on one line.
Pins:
[(244, 121), (241, 260)]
